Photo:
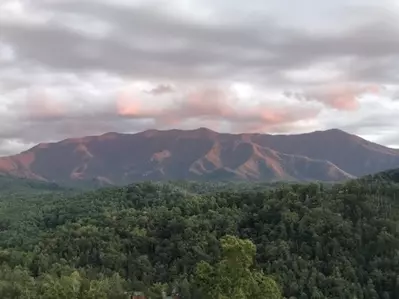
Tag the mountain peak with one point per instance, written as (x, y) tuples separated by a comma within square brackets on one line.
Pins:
[(332, 131), (202, 154), (200, 132), (203, 130)]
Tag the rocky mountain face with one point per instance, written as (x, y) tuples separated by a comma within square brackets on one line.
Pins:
[(202, 154)]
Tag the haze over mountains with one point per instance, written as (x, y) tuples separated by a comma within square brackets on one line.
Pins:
[(202, 154)]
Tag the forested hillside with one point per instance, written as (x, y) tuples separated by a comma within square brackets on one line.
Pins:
[(386, 177), (203, 241), (10, 184)]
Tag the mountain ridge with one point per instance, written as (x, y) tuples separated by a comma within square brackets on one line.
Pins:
[(202, 154)]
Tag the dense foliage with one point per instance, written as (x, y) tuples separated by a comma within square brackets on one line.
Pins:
[(311, 242), (388, 177)]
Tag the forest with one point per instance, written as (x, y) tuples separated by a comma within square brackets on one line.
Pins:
[(201, 240)]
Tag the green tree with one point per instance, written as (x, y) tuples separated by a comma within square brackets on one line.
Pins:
[(66, 287), (232, 277)]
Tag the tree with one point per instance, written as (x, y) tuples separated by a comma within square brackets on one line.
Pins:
[(232, 277)]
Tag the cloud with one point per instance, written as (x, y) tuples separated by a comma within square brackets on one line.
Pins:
[(211, 104), (161, 89), (12, 146), (70, 68), (7, 53), (375, 120), (340, 97), (148, 41), (41, 106), (128, 106), (72, 107)]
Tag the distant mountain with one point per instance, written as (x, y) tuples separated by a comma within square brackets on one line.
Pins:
[(202, 154)]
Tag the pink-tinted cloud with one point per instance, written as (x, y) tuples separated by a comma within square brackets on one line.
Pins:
[(213, 105), (208, 103), (340, 97), (217, 108), (264, 118), (128, 105), (41, 106)]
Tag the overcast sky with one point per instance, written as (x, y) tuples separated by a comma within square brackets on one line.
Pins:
[(71, 68)]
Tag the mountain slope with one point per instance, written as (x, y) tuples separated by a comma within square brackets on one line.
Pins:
[(202, 154), (349, 152), (9, 184)]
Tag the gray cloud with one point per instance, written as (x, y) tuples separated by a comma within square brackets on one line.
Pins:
[(64, 65), (377, 121), (161, 89), (147, 42)]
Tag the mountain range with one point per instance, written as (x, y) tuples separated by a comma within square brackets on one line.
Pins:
[(202, 154)]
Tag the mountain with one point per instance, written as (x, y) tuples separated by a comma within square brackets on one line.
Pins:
[(201, 154)]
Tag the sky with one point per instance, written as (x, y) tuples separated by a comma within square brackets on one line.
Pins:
[(71, 68)]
